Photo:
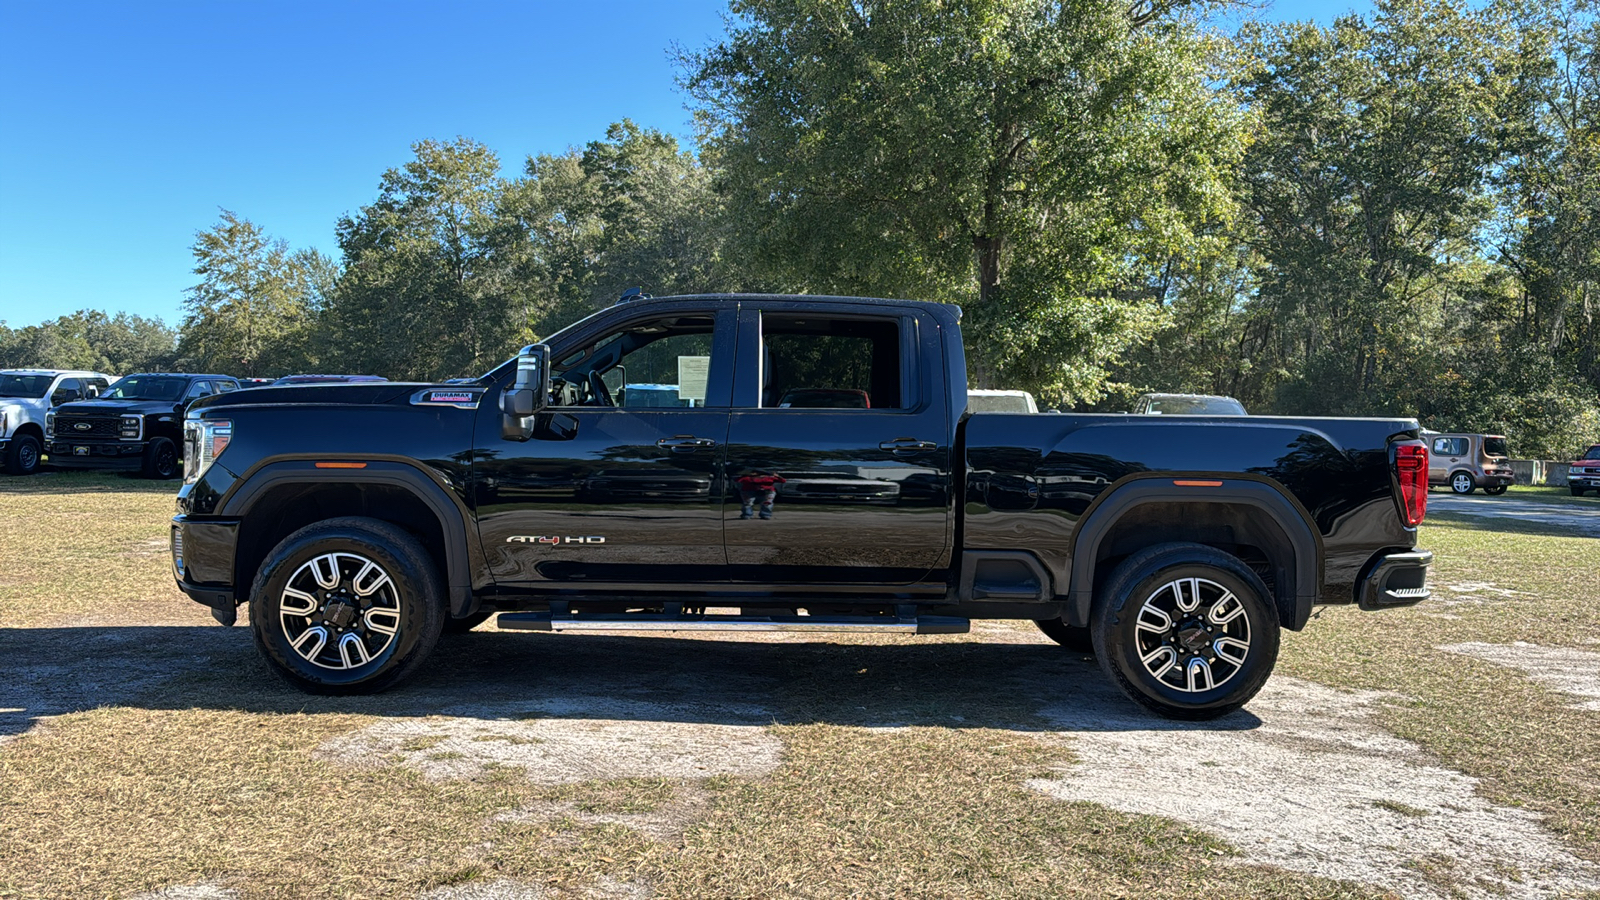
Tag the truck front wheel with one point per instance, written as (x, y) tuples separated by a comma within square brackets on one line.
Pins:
[(22, 456), (347, 606), (1185, 630)]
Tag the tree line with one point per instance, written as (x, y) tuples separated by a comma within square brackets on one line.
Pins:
[(1395, 214)]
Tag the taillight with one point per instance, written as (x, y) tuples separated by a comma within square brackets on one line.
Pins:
[(1411, 470)]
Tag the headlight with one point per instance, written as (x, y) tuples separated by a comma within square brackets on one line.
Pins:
[(132, 428), (203, 441), (49, 426), (2, 424)]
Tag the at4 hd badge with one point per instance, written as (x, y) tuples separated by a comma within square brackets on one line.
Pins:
[(553, 539)]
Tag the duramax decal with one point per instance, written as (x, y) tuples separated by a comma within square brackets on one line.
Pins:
[(553, 539)]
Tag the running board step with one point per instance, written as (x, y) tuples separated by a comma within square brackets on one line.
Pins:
[(543, 621)]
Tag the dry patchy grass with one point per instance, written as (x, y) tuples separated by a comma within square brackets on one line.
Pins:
[(903, 772), (1529, 745)]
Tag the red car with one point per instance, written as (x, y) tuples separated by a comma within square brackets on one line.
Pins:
[(1584, 474)]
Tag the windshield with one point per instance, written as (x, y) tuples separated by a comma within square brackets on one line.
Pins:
[(25, 385), (147, 387), (1594, 452), (1495, 446), (1196, 406)]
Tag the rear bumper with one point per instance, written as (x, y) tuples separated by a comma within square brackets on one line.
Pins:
[(202, 560), (1398, 579)]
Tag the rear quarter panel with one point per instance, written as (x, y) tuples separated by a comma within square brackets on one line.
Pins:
[(1032, 479)]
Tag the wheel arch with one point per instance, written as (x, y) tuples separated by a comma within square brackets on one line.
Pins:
[(1252, 519), (32, 429), (282, 497)]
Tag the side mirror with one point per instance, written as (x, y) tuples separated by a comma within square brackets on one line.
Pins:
[(528, 395)]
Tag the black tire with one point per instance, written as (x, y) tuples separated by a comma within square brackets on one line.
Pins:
[(464, 625), (161, 459), (1461, 483), (1495, 491), (22, 455), (1144, 580), (1072, 637), (412, 598), (1578, 491)]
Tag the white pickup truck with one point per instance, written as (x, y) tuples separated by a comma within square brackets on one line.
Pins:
[(26, 395)]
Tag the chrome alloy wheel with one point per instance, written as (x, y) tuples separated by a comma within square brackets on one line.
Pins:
[(339, 610), (1461, 483), (1193, 635)]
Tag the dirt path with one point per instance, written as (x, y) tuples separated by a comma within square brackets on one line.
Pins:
[(1583, 520)]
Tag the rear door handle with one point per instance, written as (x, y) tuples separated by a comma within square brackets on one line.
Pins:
[(907, 445), (685, 443)]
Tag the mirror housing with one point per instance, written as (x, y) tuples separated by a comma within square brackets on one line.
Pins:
[(528, 394)]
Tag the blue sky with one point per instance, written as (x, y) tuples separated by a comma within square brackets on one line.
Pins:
[(126, 127)]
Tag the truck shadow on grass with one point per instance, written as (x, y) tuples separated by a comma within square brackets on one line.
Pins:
[(498, 675)]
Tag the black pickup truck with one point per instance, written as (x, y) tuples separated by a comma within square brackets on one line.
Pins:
[(136, 424), (361, 521)]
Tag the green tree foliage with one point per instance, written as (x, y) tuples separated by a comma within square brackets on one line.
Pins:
[(1394, 222), (428, 290), (1553, 193), (250, 313), (630, 210), (90, 339), (1039, 162)]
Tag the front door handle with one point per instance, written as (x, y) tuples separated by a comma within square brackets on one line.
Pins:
[(907, 445), (685, 443)]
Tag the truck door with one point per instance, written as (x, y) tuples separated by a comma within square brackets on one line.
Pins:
[(607, 492), (839, 448)]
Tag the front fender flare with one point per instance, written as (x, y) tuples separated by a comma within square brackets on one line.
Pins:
[(406, 475)]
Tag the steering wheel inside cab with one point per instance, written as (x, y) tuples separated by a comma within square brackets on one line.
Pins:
[(579, 389)]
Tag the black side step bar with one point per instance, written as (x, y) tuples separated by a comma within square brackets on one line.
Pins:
[(543, 621)]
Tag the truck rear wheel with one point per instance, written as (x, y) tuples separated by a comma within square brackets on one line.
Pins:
[(1072, 637), (347, 606), (1186, 631)]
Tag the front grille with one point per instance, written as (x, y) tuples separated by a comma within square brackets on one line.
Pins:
[(67, 428)]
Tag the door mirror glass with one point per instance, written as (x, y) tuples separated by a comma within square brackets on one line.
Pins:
[(529, 393)]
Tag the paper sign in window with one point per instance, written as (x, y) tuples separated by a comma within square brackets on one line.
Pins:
[(692, 374)]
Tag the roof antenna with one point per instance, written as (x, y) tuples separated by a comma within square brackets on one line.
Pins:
[(632, 294)]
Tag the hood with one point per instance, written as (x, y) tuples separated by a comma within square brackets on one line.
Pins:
[(94, 408), (35, 404), (337, 394)]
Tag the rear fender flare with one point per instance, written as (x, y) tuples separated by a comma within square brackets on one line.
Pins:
[(1289, 517)]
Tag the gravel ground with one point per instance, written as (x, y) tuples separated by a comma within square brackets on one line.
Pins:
[(1305, 780), (1575, 672)]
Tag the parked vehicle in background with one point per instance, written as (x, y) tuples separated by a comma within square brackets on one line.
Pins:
[(136, 424), (1187, 405), (1583, 474), (26, 398), (657, 396), (256, 382), (360, 521), (983, 400), (325, 379), (1463, 462)]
